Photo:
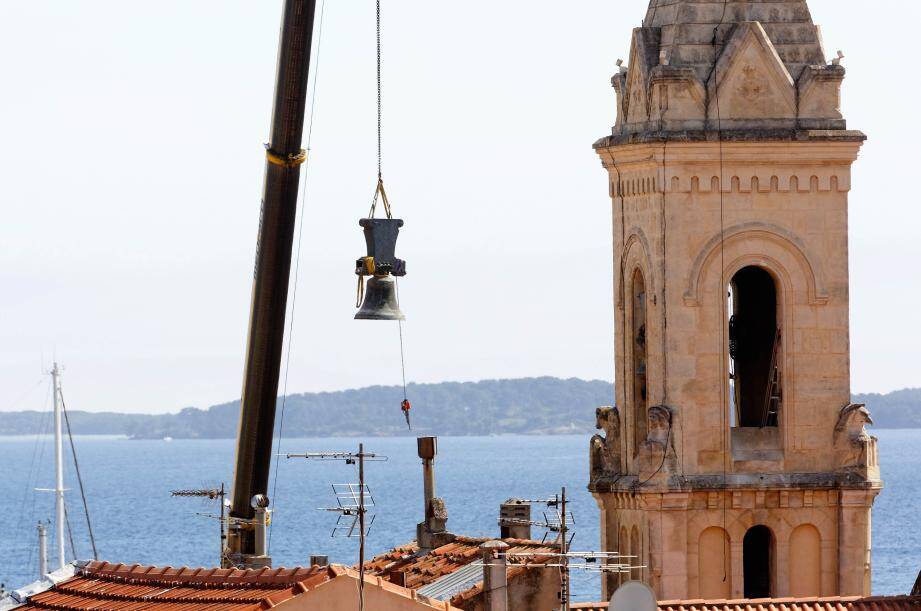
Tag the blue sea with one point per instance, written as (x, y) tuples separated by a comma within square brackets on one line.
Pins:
[(135, 519)]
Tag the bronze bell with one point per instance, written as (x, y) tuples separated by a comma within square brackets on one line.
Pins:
[(380, 301), (380, 295)]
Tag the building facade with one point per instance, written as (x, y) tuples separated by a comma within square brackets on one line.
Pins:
[(734, 465)]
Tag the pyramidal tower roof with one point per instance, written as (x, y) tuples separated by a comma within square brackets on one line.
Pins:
[(688, 28), (741, 66)]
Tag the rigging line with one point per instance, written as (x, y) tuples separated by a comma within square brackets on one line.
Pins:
[(73, 450), (24, 395), (400, 327), (32, 480), (297, 266), (664, 276), (33, 470), (70, 533)]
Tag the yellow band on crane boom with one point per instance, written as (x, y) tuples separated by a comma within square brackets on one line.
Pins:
[(290, 161)]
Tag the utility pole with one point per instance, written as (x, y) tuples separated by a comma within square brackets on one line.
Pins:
[(58, 465)]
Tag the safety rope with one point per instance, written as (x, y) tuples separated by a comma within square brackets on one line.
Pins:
[(297, 267), (721, 301), (73, 450)]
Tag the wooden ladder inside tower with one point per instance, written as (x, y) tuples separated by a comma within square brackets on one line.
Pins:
[(773, 396)]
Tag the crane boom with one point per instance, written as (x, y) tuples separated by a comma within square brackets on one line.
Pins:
[(270, 284)]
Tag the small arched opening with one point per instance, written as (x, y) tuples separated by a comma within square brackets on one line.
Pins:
[(638, 350), (754, 349), (637, 553), (624, 549), (806, 561), (757, 560), (714, 564)]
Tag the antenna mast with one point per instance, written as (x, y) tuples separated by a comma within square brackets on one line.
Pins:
[(352, 504)]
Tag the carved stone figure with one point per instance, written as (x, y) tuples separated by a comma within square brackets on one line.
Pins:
[(855, 448), (604, 451), (657, 454)]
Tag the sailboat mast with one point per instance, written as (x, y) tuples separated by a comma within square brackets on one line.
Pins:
[(270, 283), (58, 465)]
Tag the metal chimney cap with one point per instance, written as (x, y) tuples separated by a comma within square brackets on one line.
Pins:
[(259, 501), (428, 447)]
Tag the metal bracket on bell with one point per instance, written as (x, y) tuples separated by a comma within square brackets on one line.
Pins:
[(380, 298)]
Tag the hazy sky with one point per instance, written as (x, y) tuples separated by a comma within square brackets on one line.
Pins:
[(131, 169)]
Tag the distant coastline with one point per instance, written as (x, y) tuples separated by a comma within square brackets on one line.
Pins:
[(527, 406)]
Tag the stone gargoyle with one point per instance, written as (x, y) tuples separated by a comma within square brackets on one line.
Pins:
[(855, 448), (657, 453), (604, 452)]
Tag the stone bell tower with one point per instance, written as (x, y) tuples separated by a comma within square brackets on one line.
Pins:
[(734, 465)]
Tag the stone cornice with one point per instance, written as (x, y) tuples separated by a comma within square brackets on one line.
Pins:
[(737, 481), (741, 135)]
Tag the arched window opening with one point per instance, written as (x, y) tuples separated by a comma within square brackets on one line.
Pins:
[(754, 349), (714, 564), (637, 553), (757, 559), (638, 335)]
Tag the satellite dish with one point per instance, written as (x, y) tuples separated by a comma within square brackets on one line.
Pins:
[(634, 596)]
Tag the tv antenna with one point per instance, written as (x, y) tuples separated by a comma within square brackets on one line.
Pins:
[(557, 522), (210, 494), (353, 501)]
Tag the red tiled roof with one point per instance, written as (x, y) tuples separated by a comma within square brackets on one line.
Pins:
[(421, 570), (853, 603), (123, 587)]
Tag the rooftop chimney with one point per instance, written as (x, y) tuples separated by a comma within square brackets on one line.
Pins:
[(514, 518), (495, 575), (431, 533)]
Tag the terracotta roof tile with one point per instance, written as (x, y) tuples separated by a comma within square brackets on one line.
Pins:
[(420, 569), (104, 586), (854, 603)]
